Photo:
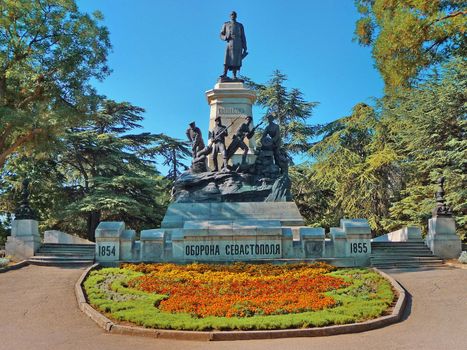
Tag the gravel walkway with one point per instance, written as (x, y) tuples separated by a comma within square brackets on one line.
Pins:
[(38, 311)]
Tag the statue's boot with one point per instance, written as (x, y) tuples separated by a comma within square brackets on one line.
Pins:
[(244, 157), (224, 164), (216, 166)]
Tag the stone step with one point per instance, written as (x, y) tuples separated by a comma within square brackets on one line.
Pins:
[(58, 254), (60, 260), (59, 245), (402, 254), (415, 241), (408, 251), (84, 251), (87, 255), (405, 258), (401, 251), (413, 254), (398, 248), (397, 245), (405, 265)]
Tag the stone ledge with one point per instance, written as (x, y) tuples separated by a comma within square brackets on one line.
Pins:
[(14, 266), (109, 326)]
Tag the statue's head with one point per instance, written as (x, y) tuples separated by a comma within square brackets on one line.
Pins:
[(248, 118), (192, 125), (218, 121), (271, 117), (233, 16)]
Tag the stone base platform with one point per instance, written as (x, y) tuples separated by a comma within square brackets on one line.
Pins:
[(232, 231), (269, 232)]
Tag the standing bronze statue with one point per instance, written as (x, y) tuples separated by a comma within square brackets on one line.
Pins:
[(272, 130), (236, 49), (217, 136), (243, 131), (193, 133)]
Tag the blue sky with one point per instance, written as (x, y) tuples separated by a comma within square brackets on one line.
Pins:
[(167, 53)]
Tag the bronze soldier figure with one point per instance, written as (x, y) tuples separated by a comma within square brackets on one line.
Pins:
[(272, 130), (193, 133), (237, 139), (236, 50), (217, 136)]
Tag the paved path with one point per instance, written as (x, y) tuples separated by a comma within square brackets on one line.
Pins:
[(38, 311)]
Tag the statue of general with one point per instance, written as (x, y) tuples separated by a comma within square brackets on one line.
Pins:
[(236, 50)]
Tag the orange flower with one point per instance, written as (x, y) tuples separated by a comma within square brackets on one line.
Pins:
[(238, 290)]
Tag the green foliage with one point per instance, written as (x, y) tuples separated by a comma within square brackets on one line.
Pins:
[(99, 171), (383, 164), (173, 151), (49, 51), (356, 167), (4, 228), (369, 296), (427, 127), (313, 200), (408, 36), (290, 109)]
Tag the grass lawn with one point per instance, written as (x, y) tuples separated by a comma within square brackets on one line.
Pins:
[(238, 296)]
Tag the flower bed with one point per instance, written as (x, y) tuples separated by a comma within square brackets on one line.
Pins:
[(238, 296), (240, 289)]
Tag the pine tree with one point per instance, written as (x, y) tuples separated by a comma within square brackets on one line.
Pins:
[(99, 171), (290, 109), (428, 131), (409, 37), (356, 166)]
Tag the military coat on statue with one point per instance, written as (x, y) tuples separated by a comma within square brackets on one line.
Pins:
[(234, 34)]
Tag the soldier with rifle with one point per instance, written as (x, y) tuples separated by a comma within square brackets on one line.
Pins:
[(217, 135), (237, 140)]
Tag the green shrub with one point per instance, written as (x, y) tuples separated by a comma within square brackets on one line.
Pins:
[(368, 296)]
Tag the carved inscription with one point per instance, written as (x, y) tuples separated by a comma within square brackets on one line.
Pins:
[(232, 249), (231, 110)]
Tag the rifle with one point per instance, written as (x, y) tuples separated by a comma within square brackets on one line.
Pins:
[(252, 131), (206, 150), (211, 141)]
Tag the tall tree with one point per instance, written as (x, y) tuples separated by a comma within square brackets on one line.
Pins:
[(357, 167), (49, 51), (101, 171), (427, 127), (291, 111), (173, 152), (409, 36), (313, 199)]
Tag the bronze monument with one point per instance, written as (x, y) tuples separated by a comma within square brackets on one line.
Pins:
[(233, 33)]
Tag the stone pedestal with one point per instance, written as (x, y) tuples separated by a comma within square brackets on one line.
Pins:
[(108, 235), (127, 242), (338, 243), (242, 231), (24, 240), (352, 240), (442, 238), (312, 239), (232, 101), (152, 245)]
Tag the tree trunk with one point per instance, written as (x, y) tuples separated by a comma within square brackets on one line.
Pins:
[(2, 89), (94, 218), (174, 154)]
